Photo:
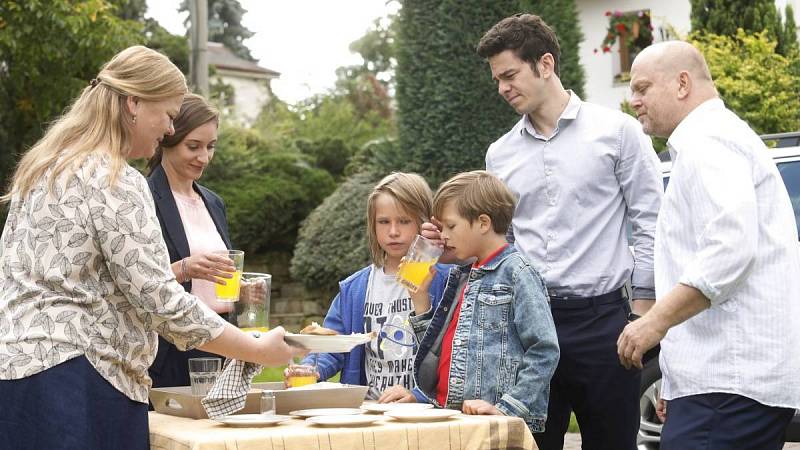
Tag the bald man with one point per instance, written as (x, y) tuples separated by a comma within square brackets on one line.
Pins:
[(727, 267)]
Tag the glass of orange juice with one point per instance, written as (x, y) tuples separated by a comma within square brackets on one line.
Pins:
[(302, 374), (229, 292), (252, 309), (417, 263)]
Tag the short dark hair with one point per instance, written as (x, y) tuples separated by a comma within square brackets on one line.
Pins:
[(527, 35)]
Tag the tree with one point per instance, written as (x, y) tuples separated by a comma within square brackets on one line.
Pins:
[(724, 17), (225, 25), (448, 108), (49, 50), (756, 82), (562, 16), (788, 42)]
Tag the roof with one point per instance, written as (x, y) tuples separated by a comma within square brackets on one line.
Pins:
[(222, 57)]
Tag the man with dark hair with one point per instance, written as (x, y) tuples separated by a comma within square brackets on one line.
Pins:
[(581, 172)]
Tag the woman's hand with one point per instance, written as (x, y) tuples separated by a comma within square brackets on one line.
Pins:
[(480, 407), (275, 351), (397, 394), (204, 266)]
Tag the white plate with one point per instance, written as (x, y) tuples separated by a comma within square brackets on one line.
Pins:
[(421, 415), (327, 344), (344, 421), (252, 420), (383, 407), (326, 412)]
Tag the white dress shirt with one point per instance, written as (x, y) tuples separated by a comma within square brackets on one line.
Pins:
[(576, 191), (727, 228)]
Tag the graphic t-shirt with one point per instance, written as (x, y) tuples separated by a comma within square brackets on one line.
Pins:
[(389, 360)]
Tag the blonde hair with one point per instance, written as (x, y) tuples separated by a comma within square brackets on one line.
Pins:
[(475, 193), (98, 121), (410, 192)]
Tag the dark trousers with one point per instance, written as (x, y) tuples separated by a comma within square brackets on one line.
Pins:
[(70, 407), (723, 422), (590, 380)]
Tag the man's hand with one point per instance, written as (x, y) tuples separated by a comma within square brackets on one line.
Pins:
[(480, 407), (638, 337), (397, 394), (661, 410)]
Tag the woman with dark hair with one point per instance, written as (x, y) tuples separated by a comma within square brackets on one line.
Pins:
[(193, 223)]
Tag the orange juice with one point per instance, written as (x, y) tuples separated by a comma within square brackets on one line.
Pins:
[(301, 380), (230, 291), (413, 273), (260, 329)]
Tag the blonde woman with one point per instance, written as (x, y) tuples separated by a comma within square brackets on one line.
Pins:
[(85, 279)]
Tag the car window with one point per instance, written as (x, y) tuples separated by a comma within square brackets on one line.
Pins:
[(790, 171)]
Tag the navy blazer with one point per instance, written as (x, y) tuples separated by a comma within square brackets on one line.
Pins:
[(170, 218), (170, 367)]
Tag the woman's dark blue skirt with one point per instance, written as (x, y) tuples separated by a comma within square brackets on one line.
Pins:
[(70, 406)]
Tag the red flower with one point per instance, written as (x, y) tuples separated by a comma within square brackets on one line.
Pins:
[(608, 13), (606, 49), (620, 27)]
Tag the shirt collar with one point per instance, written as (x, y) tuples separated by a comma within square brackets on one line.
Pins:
[(568, 115), (683, 134)]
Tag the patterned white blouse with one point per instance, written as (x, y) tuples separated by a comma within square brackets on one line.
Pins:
[(84, 271)]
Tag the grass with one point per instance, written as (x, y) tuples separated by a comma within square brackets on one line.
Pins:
[(573, 424)]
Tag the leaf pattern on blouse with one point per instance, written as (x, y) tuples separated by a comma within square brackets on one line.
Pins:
[(84, 271)]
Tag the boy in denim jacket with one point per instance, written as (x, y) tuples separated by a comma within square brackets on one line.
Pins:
[(490, 346)]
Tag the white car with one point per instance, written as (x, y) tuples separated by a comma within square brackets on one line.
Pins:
[(786, 153)]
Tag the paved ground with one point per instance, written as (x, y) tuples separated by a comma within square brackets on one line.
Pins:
[(572, 441)]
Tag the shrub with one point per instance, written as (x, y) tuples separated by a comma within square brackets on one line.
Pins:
[(757, 83), (332, 242)]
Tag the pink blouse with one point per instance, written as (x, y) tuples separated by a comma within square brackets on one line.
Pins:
[(203, 237)]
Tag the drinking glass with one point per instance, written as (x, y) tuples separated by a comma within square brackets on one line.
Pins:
[(417, 263), (229, 292), (302, 374), (203, 373)]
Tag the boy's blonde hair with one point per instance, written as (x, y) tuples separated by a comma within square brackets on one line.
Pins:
[(98, 121), (410, 192), (475, 193)]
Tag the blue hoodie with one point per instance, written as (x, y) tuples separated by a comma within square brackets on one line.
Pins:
[(346, 316)]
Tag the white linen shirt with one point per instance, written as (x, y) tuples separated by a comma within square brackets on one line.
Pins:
[(577, 190), (84, 270), (727, 228)]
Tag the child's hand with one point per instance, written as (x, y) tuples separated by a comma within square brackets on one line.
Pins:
[(480, 407), (397, 394), (422, 298)]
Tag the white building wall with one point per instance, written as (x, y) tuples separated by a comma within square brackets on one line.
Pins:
[(250, 96), (600, 68)]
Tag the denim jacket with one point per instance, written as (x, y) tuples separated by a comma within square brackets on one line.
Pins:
[(346, 315), (505, 348)]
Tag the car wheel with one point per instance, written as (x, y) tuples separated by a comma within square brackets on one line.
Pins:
[(649, 437)]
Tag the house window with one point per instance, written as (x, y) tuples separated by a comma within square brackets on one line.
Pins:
[(631, 31)]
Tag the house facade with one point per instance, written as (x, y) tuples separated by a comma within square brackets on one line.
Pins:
[(606, 71), (250, 82)]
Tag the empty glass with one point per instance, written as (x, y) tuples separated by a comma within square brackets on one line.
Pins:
[(203, 373), (252, 309)]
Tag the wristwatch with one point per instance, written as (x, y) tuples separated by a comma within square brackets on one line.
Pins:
[(633, 316)]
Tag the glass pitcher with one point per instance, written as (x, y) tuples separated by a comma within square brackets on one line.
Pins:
[(252, 309)]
